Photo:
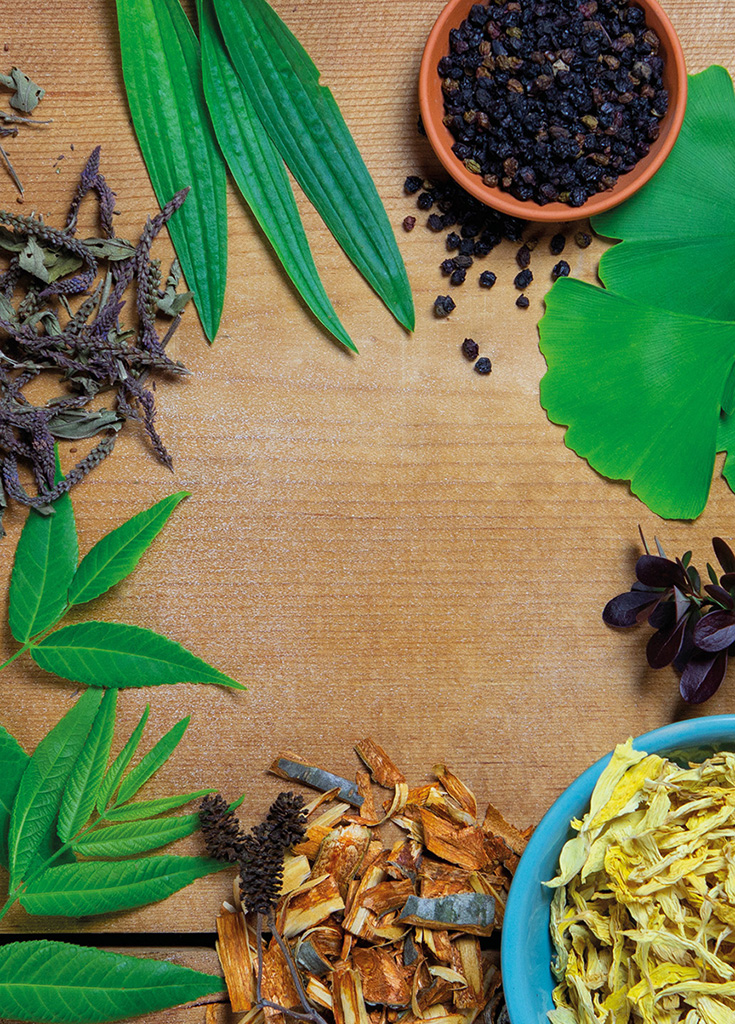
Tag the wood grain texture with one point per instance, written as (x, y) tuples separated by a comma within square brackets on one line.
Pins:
[(386, 544)]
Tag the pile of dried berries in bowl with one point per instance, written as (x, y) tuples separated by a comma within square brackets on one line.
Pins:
[(552, 102), (364, 927)]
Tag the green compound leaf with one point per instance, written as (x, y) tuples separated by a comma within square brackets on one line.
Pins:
[(45, 561), (130, 838), (39, 793), (305, 123), (163, 79), (60, 983), (259, 172), (112, 654), (640, 370), (101, 887), (13, 762), (83, 784), (117, 769), (153, 760), (140, 809), (116, 555)]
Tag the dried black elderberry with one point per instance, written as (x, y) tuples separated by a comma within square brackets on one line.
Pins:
[(470, 349), (552, 103), (562, 269), (443, 305)]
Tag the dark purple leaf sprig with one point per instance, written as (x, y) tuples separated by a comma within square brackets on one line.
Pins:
[(694, 624)]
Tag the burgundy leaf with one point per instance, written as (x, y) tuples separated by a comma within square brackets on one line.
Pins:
[(702, 677), (624, 609), (664, 645), (728, 580), (724, 553), (663, 616), (660, 572), (715, 631), (721, 595)]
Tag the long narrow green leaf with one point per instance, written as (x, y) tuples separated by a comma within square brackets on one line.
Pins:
[(116, 555), (45, 560), (101, 887), (82, 786), (156, 756), (112, 654), (13, 762), (39, 794), (259, 172), (148, 808), (117, 769), (133, 837), (60, 983), (304, 122), (163, 79)]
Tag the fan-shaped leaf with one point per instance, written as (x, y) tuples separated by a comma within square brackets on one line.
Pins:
[(152, 761), (13, 762), (96, 985), (163, 79), (39, 793), (117, 769), (116, 555), (100, 887), (309, 131), (112, 654), (88, 770)]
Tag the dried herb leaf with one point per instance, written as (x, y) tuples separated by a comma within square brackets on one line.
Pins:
[(112, 654), (163, 80), (640, 370), (97, 985), (27, 95), (305, 123), (101, 887), (259, 172), (116, 555)]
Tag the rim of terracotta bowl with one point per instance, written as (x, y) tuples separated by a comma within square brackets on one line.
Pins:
[(431, 104)]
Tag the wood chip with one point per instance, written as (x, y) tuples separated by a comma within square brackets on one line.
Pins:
[(309, 905), (473, 913), (384, 980), (341, 853), (289, 766), (456, 788), (236, 958), (382, 769), (278, 986), (495, 824), (462, 846)]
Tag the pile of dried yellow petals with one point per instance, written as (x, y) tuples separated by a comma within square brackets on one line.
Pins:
[(643, 919)]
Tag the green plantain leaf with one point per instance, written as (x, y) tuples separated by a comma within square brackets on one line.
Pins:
[(157, 756), (163, 79), (112, 654), (148, 808), (60, 983), (259, 173), (305, 123), (39, 794), (640, 370), (82, 786), (13, 762), (129, 838), (117, 769), (101, 887), (45, 560), (116, 555)]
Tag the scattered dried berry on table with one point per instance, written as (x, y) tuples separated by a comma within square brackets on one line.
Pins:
[(483, 365), (523, 302), (487, 279), (443, 305), (523, 257), (552, 102), (557, 245), (470, 348), (583, 239), (562, 269), (409, 223), (523, 279)]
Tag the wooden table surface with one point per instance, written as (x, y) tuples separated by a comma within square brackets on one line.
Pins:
[(386, 544)]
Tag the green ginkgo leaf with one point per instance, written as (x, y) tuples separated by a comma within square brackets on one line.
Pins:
[(640, 370)]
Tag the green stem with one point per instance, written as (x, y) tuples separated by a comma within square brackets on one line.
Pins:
[(17, 654)]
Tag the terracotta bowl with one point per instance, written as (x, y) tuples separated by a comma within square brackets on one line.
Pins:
[(431, 101)]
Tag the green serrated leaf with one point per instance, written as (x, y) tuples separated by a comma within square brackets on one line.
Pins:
[(163, 79), (149, 765), (82, 786), (148, 808), (101, 887), (112, 654), (305, 123), (117, 769), (130, 838), (13, 762), (45, 561), (97, 985), (259, 172), (39, 793), (116, 555)]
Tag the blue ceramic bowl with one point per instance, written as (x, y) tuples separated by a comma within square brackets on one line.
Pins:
[(526, 944)]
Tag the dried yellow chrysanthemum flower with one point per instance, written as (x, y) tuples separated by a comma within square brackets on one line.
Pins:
[(643, 917)]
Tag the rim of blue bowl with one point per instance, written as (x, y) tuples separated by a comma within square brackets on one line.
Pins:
[(525, 949)]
